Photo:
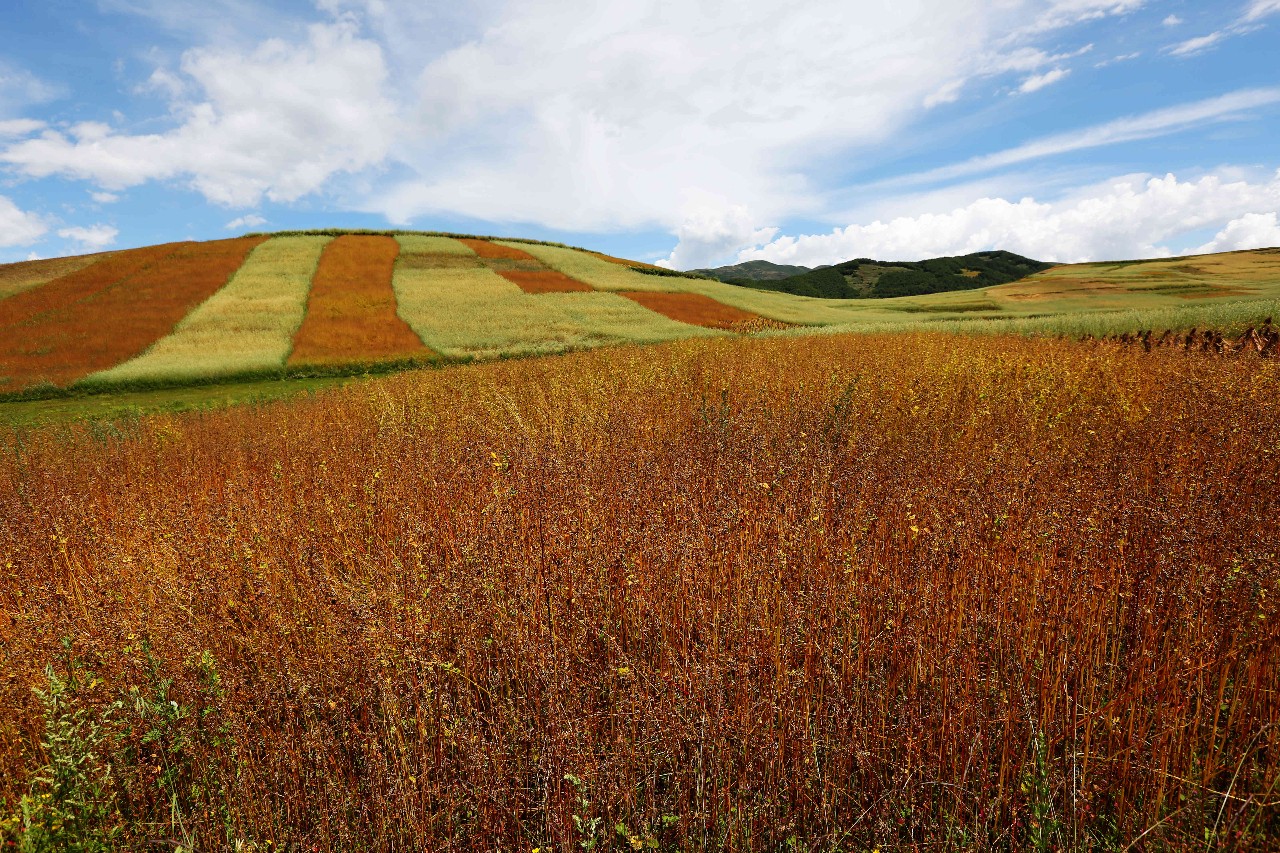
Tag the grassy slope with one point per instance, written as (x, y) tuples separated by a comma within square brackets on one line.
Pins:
[(466, 311)]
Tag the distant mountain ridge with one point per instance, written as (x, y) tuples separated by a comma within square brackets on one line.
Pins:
[(864, 278)]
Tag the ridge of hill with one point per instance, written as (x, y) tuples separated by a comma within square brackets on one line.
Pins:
[(750, 271), (865, 278), (326, 303)]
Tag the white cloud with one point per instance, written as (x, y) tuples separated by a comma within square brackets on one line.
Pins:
[(1251, 231), (18, 227), (1115, 60), (1191, 47), (1260, 9), (1128, 217), (104, 198), (1229, 107), (20, 127), (20, 88), (712, 229), (34, 256), (1037, 82), (252, 220), (1172, 21), (93, 237), (276, 122)]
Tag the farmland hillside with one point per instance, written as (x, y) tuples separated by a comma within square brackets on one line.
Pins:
[(326, 303)]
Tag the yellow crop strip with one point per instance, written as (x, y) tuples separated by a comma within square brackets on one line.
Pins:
[(246, 327), (464, 310)]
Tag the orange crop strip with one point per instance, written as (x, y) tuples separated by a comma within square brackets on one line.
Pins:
[(695, 309), (524, 270), (351, 314), (111, 311), (489, 251)]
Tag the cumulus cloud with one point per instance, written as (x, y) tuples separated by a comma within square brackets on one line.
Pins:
[(93, 237), (19, 227), (711, 230), (252, 220), (1172, 21), (1038, 81), (611, 116), (104, 198), (277, 122), (1251, 231), (1129, 217)]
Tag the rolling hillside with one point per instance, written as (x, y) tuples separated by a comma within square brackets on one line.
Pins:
[(865, 278), (333, 303)]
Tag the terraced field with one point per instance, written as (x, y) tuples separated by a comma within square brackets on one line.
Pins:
[(277, 305)]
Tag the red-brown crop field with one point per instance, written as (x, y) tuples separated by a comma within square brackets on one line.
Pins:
[(543, 281), (694, 308), (524, 270), (495, 251), (901, 592), (351, 313), (110, 311)]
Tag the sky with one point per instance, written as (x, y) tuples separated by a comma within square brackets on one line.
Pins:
[(689, 133)]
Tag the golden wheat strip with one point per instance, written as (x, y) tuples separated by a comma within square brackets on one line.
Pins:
[(421, 244), (244, 328)]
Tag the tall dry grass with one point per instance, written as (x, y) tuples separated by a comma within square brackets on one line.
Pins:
[(111, 311), (246, 327), (351, 314), (904, 592)]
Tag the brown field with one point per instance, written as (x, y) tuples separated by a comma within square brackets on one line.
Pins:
[(488, 250), (900, 592), (543, 281), (627, 263), (111, 311), (524, 270), (696, 309), (351, 313)]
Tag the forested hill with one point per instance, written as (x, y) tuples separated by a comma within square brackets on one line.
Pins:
[(864, 278)]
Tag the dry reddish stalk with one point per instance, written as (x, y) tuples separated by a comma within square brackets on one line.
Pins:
[(111, 311), (351, 311), (856, 591), (522, 269), (696, 309)]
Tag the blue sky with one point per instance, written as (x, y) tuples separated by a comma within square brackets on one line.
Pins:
[(690, 133)]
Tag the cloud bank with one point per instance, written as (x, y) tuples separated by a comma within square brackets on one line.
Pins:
[(1128, 217)]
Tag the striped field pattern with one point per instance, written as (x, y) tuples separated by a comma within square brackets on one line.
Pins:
[(523, 269), (351, 315), (463, 309), (245, 328), (111, 311)]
